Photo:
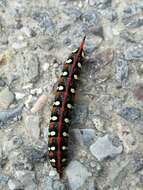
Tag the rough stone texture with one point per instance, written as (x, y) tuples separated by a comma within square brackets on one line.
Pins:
[(35, 39), (6, 98), (103, 148), (77, 174), (32, 126)]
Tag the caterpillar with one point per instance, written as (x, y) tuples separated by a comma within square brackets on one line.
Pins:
[(60, 120)]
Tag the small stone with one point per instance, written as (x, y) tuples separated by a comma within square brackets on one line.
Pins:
[(36, 91), (58, 185), (3, 180), (40, 103), (35, 154), (121, 70), (32, 126), (30, 68), (98, 123), (19, 95), (92, 44), (91, 18), (13, 184), (2, 83), (132, 15), (6, 98), (10, 115), (103, 148), (44, 19), (52, 173), (73, 13), (27, 178), (138, 91), (92, 2), (19, 45), (84, 136), (100, 3), (139, 127), (45, 66), (130, 114), (137, 162), (77, 175), (125, 135), (27, 86), (134, 53), (80, 114)]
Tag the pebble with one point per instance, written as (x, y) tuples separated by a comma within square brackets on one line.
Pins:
[(73, 13), (6, 98), (98, 123), (32, 126), (36, 91), (58, 185), (100, 3), (103, 148), (132, 15), (91, 18), (19, 95), (77, 174), (52, 173), (84, 136), (13, 184), (28, 101), (137, 162), (2, 83), (128, 140), (3, 180), (29, 70), (46, 182), (40, 103), (79, 114), (35, 154), (122, 70), (130, 113), (45, 66), (134, 53), (138, 91), (44, 19), (9, 115), (139, 126), (27, 178)]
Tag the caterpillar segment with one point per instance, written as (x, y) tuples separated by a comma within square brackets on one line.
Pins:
[(62, 107)]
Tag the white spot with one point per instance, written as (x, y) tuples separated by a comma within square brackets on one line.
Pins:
[(79, 64), (69, 106), (69, 61), (83, 55), (64, 159), (66, 120), (57, 103), (65, 134), (49, 148), (74, 51), (72, 90), (65, 73), (54, 118), (53, 148), (52, 160), (52, 133), (64, 147), (75, 77), (60, 88)]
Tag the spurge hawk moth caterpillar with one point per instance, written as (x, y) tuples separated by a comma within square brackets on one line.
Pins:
[(61, 110)]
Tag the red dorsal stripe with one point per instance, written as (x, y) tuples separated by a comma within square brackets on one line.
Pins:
[(75, 58)]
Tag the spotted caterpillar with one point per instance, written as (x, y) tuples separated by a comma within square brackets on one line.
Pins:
[(61, 110)]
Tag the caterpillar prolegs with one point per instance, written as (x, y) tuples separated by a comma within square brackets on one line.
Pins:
[(61, 110)]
